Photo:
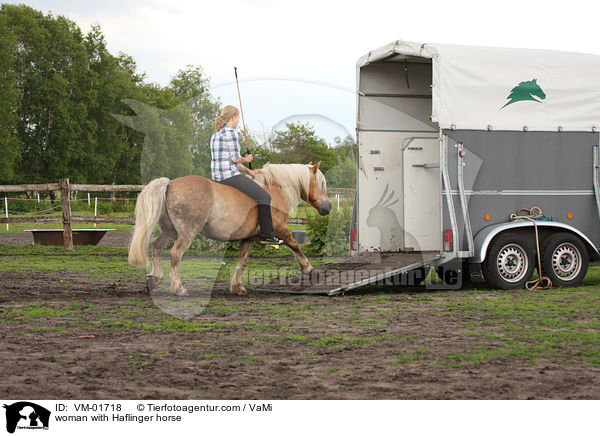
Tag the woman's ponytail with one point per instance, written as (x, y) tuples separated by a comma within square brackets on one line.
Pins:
[(227, 113)]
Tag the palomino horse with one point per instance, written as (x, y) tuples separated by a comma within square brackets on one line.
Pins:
[(190, 205)]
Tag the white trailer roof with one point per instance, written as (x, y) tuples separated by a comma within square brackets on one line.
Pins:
[(505, 88)]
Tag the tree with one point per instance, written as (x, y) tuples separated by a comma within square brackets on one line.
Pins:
[(167, 135), (262, 153), (343, 174), (113, 153), (67, 85), (300, 144), (191, 87), (49, 60), (59, 90), (9, 145)]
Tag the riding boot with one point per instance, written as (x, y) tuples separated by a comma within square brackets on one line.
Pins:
[(264, 220)]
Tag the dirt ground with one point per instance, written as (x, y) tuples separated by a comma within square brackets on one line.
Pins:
[(98, 342)]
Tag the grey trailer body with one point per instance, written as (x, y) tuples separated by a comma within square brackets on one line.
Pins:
[(506, 171), (431, 180)]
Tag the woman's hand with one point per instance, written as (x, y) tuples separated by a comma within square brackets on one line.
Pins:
[(254, 173), (248, 158)]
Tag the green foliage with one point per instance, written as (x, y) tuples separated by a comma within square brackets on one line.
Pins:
[(107, 207), (113, 152), (167, 133), (204, 245), (28, 206), (343, 175), (299, 143), (78, 207), (59, 90), (67, 86), (191, 86), (69, 108), (9, 97), (261, 152), (329, 234)]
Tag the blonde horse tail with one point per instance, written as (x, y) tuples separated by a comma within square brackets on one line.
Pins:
[(148, 209)]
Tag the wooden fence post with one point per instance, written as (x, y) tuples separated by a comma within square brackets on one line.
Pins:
[(65, 203)]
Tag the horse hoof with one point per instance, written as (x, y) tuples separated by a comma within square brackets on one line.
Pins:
[(237, 290), (152, 282), (178, 290)]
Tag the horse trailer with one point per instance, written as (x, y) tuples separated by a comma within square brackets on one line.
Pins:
[(454, 141)]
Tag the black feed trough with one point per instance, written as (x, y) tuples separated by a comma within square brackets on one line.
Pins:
[(55, 236)]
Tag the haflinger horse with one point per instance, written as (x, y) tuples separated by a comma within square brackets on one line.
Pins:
[(189, 205)]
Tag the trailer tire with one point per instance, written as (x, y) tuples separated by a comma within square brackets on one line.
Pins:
[(509, 262), (564, 259)]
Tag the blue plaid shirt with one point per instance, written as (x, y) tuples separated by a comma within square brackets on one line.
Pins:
[(224, 147)]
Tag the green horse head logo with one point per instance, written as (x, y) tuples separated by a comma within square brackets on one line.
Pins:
[(525, 91)]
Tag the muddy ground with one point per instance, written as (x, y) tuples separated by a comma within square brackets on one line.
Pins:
[(73, 336)]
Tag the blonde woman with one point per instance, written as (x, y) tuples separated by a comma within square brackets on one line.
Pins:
[(226, 164)]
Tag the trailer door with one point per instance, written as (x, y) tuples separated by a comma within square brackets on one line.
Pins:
[(422, 194)]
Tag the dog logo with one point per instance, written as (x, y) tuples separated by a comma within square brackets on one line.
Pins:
[(26, 415)]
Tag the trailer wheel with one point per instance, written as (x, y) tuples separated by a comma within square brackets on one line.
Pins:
[(509, 262), (564, 259)]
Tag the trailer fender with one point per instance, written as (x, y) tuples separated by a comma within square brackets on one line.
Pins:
[(484, 237)]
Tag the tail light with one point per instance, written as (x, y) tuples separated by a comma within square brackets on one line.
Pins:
[(353, 240), (448, 242)]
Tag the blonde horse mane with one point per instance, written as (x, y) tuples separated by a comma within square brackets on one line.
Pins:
[(293, 179)]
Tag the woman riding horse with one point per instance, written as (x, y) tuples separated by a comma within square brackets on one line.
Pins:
[(225, 168), (189, 205)]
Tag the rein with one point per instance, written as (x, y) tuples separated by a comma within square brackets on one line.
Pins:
[(534, 214)]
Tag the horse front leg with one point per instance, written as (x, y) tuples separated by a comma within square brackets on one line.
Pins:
[(289, 240), (236, 286)]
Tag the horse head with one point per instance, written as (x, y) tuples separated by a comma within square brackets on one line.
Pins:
[(525, 91), (299, 183), (534, 89), (317, 191)]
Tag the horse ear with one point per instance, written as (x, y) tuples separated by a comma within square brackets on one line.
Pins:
[(315, 167), (310, 163)]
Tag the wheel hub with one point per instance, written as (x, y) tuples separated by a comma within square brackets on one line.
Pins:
[(566, 261), (512, 263)]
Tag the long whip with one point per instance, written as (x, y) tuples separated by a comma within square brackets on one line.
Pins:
[(242, 111)]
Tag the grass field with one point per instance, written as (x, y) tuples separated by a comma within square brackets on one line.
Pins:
[(377, 343)]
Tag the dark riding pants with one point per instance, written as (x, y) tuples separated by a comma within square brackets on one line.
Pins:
[(258, 194)]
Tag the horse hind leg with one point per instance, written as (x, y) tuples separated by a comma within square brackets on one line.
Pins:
[(181, 245), (167, 235)]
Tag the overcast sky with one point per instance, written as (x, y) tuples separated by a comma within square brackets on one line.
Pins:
[(296, 60)]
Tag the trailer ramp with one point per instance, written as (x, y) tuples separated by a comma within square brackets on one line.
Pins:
[(349, 273)]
